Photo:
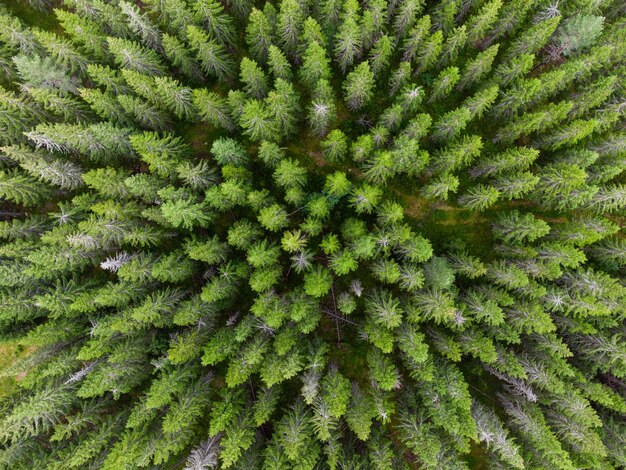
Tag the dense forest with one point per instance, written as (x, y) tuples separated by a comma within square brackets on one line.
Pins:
[(300, 234)]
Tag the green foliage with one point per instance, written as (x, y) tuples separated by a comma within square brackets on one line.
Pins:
[(133, 56), (212, 56), (335, 146), (318, 282), (480, 197), (358, 86), (438, 273), (21, 189), (579, 32), (312, 235), (228, 152), (517, 228), (315, 65), (273, 218)]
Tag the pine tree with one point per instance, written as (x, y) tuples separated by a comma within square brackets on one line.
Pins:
[(259, 35), (380, 55), (253, 77), (444, 83), (289, 24), (430, 51), (282, 104), (62, 51), (480, 197), (315, 65), (516, 228), (492, 432), (476, 69), (257, 121), (335, 146), (533, 39), (180, 57), (312, 32), (212, 56), (450, 124), (213, 109), (358, 86), (177, 99), (173, 13), (322, 110), (141, 25), (278, 64), (454, 44), (348, 39), (64, 174), (480, 23), (506, 73), (441, 187), (415, 38), (132, 56), (21, 189), (44, 73), (399, 77), (218, 23), (579, 32), (372, 21), (482, 101)]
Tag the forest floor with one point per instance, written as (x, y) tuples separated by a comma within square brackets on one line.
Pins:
[(32, 17), (9, 352), (442, 222)]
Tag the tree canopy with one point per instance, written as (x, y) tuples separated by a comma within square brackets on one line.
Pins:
[(306, 235)]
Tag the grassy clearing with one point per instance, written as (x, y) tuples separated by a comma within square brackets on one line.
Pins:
[(9, 352), (446, 222)]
